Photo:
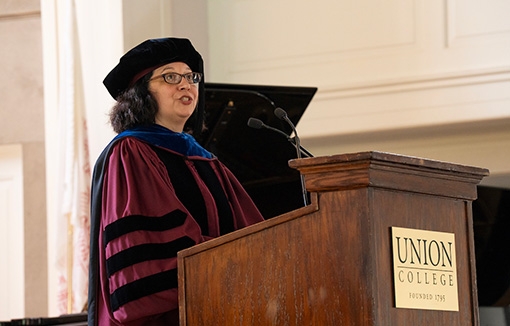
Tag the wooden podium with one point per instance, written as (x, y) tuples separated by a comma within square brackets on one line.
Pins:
[(332, 263)]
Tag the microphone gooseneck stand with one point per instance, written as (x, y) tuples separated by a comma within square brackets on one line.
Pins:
[(282, 115)]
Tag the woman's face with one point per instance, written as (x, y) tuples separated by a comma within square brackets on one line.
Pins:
[(176, 102)]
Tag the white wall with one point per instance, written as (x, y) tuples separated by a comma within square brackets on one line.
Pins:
[(411, 77)]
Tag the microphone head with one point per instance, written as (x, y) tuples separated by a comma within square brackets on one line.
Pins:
[(280, 113), (255, 123)]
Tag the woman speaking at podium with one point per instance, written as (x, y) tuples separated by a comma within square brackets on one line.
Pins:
[(155, 190)]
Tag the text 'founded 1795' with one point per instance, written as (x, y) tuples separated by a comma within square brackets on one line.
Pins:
[(424, 269)]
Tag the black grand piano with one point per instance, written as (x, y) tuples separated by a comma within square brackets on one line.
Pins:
[(258, 157)]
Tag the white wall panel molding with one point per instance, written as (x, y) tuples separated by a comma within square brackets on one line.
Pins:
[(477, 97), (341, 27), (338, 44), (452, 79), (475, 22), (284, 38), (477, 34), (483, 144)]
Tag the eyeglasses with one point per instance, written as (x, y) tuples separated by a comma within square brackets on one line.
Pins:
[(175, 78)]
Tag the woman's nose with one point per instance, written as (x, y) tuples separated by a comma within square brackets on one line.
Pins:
[(184, 84)]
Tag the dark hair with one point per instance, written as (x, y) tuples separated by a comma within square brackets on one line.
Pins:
[(136, 107)]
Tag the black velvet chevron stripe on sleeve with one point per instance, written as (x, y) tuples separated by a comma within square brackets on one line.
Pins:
[(146, 252), (132, 223), (143, 287)]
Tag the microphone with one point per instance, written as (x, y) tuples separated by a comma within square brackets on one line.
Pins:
[(282, 115), (258, 124)]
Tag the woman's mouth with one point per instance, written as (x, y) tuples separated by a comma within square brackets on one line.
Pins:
[(186, 99)]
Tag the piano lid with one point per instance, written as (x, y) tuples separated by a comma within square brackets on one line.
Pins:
[(257, 157)]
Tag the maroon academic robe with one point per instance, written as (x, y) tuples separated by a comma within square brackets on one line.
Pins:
[(142, 224)]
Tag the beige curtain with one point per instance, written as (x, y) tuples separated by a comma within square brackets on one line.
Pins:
[(74, 168)]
